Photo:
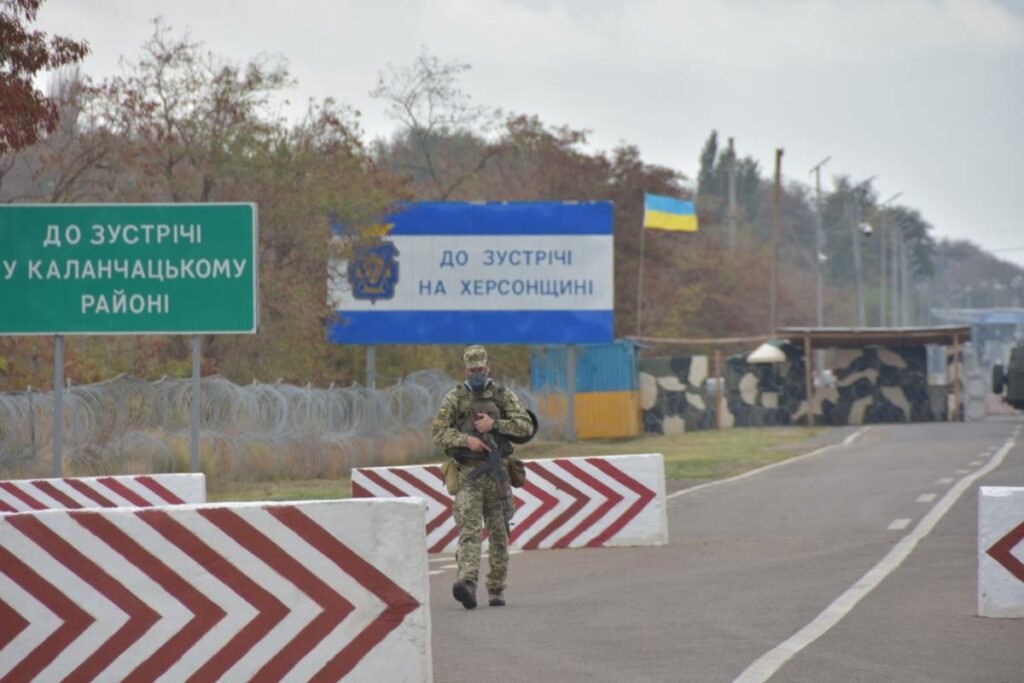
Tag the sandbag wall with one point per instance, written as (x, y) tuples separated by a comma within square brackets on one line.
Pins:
[(872, 385), (607, 397), (679, 394)]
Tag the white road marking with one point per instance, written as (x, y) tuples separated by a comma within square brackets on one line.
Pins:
[(975, 463), (926, 498), (944, 480), (441, 559), (846, 442), (450, 566), (900, 524), (769, 663), (961, 472), (436, 571)]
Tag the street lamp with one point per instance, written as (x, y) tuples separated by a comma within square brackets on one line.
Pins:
[(883, 233), (855, 231), (819, 240)]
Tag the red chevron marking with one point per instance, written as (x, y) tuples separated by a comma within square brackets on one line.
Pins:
[(445, 541), (547, 503), (52, 491), (398, 603), (90, 493), (384, 484), (140, 616), (206, 613), (440, 519), (125, 492), (269, 610), (22, 496), (612, 498), (565, 516), (1002, 551), (5, 507), (75, 619), (159, 489), (445, 501), (335, 607), (451, 537), (645, 496), (12, 624), (453, 533)]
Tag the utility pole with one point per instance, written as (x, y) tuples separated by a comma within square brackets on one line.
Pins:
[(895, 238), (731, 215), (776, 209), (883, 233), (854, 216), (819, 241), (855, 229), (904, 283)]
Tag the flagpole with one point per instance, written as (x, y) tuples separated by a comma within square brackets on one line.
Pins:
[(640, 281)]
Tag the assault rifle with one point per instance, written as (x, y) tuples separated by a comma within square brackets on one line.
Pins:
[(494, 465)]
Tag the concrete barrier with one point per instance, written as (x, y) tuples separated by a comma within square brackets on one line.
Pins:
[(1001, 551), (144, 490), (613, 500), (324, 590)]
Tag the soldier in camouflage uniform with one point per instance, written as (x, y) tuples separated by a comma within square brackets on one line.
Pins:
[(473, 413)]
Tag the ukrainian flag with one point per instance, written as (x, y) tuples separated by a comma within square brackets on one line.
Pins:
[(669, 213)]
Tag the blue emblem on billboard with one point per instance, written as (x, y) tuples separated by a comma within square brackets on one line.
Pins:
[(373, 272)]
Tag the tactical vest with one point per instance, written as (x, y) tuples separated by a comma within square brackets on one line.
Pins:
[(490, 402), (470, 404)]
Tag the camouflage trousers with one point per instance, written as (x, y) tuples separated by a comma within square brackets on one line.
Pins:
[(477, 503)]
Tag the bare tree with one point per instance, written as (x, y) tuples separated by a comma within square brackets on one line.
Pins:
[(444, 139)]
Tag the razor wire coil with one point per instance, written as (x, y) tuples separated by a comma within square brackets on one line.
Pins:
[(260, 430)]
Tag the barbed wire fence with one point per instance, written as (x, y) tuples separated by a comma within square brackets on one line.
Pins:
[(247, 432)]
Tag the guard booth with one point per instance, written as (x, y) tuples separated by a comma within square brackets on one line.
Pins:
[(879, 374)]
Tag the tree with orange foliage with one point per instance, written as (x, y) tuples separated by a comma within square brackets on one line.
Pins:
[(25, 112)]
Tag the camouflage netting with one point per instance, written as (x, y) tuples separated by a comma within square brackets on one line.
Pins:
[(872, 385)]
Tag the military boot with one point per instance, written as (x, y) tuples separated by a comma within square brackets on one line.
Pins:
[(465, 592), (497, 599)]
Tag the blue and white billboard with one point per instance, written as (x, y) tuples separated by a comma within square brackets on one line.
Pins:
[(490, 273)]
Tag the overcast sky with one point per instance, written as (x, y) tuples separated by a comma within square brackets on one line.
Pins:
[(926, 94)]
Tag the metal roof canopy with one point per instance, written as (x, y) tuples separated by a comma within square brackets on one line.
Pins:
[(981, 316), (856, 337)]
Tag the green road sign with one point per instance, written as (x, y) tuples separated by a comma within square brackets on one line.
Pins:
[(128, 269)]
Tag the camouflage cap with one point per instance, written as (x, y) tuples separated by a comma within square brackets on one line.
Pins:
[(474, 356)]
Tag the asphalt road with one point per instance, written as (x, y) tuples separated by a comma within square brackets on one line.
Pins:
[(741, 591)]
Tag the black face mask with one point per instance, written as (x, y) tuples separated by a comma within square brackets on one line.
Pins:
[(477, 381)]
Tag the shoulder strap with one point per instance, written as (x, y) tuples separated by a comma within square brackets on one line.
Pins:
[(500, 395), (461, 392)]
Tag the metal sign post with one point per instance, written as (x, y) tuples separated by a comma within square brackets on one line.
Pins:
[(570, 393), (371, 367), (196, 398), (58, 407)]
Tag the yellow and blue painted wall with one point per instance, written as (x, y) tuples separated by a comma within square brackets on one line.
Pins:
[(607, 388)]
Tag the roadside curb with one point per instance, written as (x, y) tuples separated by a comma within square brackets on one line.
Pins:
[(848, 440)]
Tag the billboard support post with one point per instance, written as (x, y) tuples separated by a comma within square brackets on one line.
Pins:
[(58, 407)]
